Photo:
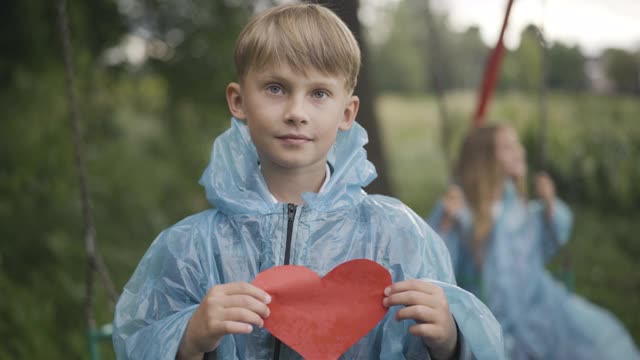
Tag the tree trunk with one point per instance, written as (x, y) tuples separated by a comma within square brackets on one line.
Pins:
[(347, 10)]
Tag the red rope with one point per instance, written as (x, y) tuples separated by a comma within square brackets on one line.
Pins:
[(491, 73)]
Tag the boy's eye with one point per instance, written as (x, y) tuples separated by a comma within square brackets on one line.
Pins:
[(274, 89), (319, 94)]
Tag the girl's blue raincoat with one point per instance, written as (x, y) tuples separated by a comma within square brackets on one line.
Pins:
[(539, 317), (246, 233)]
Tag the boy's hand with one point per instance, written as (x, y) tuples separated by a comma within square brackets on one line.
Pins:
[(427, 304), (546, 190), (226, 309), (452, 203)]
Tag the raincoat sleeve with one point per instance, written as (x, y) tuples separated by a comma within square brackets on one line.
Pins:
[(452, 236), (553, 232), (481, 333), (159, 299)]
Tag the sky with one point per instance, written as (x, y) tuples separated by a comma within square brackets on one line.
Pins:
[(594, 25)]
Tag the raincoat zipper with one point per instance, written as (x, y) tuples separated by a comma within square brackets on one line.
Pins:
[(291, 214)]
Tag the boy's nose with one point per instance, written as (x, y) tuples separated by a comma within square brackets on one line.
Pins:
[(296, 113)]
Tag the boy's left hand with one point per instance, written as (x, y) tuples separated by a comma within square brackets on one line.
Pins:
[(427, 304)]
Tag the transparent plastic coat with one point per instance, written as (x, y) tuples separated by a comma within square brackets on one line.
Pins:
[(539, 317), (246, 234)]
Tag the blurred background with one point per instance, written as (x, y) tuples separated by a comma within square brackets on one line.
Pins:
[(150, 75)]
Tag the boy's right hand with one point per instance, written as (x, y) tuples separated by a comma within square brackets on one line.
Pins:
[(226, 309), (453, 202)]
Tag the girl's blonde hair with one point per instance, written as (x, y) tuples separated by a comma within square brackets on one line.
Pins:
[(303, 36), (481, 177)]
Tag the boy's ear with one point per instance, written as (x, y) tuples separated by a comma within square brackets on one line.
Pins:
[(235, 101), (350, 112)]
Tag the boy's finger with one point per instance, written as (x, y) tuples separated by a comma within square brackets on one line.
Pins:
[(235, 327), (413, 284), (244, 288), (246, 302), (408, 298), (243, 316), (419, 313)]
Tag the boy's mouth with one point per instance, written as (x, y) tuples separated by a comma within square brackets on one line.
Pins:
[(294, 139)]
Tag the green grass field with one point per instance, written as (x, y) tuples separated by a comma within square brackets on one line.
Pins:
[(603, 250)]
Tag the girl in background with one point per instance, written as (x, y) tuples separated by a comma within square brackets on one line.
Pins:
[(499, 243)]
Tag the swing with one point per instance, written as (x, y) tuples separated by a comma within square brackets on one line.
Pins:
[(95, 263)]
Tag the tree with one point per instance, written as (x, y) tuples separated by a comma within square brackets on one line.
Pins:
[(528, 58), (408, 54), (566, 68), (404, 67), (623, 68), (468, 50), (141, 179), (348, 11), (41, 316)]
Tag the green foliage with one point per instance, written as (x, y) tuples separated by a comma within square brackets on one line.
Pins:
[(528, 56), (623, 68), (470, 52), (566, 68), (406, 60), (408, 56), (404, 69), (148, 130), (597, 138)]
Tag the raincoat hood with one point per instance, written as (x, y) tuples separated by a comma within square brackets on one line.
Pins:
[(235, 185)]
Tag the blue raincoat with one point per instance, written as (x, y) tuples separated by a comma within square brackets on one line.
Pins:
[(247, 233), (539, 317)]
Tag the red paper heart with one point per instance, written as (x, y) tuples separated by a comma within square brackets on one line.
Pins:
[(322, 318)]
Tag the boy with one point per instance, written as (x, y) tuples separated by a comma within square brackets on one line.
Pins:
[(286, 181)]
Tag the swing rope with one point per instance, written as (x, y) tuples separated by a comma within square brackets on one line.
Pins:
[(491, 73), (94, 259), (437, 70), (566, 275)]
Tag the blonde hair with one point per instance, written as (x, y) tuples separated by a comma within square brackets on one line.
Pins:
[(481, 176), (303, 36)]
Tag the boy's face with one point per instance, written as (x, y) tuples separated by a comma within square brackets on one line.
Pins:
[(293, 118)]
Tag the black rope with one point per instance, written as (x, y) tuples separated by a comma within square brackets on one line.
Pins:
[(94, 260), (437, 69)]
